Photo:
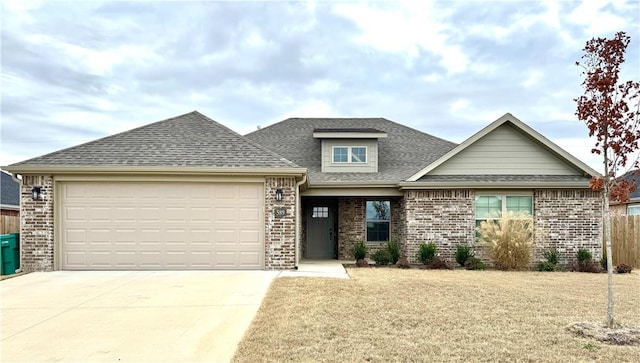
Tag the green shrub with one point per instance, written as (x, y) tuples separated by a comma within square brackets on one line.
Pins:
[(394, 251), (509, 240), (552, 256), (437, 263), (584, 255), (603, 261), (360, 250), (463, 253), (474, 263), (586, 263), (381, 257), (546, 266), (427, 252)]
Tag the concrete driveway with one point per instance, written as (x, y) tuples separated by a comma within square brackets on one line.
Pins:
[(124, 316)]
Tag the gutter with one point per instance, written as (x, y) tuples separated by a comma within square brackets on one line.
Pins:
[(355, 184), (492, 185), (298, 220), (143, 170)]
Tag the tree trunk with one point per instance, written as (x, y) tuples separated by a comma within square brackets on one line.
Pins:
[(606, 218)]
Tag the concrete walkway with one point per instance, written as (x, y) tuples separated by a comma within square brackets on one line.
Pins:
[(128, 316), (318, 268)]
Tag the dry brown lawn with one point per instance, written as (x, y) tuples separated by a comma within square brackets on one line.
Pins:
[(393, 315)]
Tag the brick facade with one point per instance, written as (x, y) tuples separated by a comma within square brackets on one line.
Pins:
[(564, 219), (36, 231), (280, 232), (444, 217), (352, 225), (568, 220)]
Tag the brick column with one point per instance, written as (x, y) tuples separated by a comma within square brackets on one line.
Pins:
[(351, 225), (280, 231), (36, 232)]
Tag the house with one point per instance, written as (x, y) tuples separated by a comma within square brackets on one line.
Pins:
[(188, 193), (9, 195), (632, 206)]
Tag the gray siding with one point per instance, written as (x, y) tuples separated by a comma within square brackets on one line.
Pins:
[(371, 166), (505, 151)]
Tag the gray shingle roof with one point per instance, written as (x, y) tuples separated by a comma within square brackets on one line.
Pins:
[(189, 140), (9, 190), (633, 176), (401, 154)]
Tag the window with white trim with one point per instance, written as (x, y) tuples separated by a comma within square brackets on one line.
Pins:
[(494, 206), (633, 210), (349, 154), (378, 220)]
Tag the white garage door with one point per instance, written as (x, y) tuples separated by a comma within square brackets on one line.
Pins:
[(137, 226)]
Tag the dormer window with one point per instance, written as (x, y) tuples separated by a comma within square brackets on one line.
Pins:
[(349, 150), (350, 154)]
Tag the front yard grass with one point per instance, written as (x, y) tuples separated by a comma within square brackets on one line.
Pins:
[(393, 315)]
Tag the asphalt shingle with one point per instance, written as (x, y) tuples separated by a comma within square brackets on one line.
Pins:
[(9, 190), (189, 140), (401, 154)]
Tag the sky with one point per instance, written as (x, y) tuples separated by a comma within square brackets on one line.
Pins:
[(75, 71)]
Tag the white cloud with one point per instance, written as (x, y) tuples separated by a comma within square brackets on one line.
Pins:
[(459, 105), (324, 86), (406, 28), (581, 149), (532, 79), (83, 69), (596, 20), (313, 108)]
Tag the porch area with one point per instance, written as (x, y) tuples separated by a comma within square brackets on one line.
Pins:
[(318, 268)]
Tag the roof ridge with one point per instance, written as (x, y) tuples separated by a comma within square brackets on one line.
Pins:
[(251, 142), (314, 118)]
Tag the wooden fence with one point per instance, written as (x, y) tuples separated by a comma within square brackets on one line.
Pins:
[(9, 224), (625, 240)]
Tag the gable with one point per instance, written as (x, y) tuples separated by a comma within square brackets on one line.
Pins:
[(506, 148), (505, 151)]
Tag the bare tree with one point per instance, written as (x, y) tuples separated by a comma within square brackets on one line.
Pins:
[(610, 109)]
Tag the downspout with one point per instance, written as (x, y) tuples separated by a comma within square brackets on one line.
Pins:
[(19, 180), (298, 219)]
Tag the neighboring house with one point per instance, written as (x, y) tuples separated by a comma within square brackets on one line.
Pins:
[(632, 206), (188, 193), (9, 195)]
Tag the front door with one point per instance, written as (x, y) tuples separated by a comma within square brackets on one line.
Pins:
[(321, 233)]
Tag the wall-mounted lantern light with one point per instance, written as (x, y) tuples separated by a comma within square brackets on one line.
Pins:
[(279, 194), (36, 193)]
